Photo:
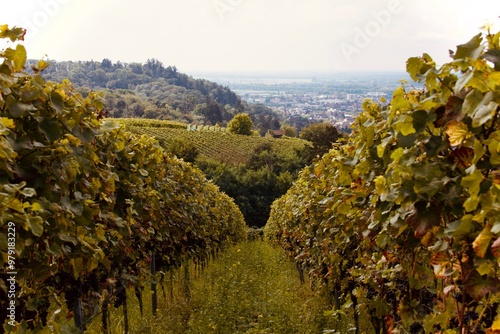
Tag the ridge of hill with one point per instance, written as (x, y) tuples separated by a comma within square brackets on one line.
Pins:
[(214, 142), (151, 90)]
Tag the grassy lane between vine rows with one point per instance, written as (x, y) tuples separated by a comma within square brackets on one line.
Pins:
[(250, 288), (253, 288)]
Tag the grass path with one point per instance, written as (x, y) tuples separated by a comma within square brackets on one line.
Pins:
[(249, 288), (252, 288)]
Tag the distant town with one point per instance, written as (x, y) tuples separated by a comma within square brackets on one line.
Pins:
[(336, 98)]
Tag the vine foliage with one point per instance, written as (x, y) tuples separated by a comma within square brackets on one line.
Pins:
[(402, 221), (92, 203)]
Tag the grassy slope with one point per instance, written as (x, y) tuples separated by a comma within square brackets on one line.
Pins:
[(217, 144)]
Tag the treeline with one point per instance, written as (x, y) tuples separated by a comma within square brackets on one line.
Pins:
[(151, 90)]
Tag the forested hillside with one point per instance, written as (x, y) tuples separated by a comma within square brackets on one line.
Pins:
[(151, 90)]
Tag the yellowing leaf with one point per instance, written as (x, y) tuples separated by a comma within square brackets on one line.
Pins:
[(76, 266), (471, 203), (457, 132), (482, 242), (404, 126), (478, 151), (17, 56), (343, 208), (7, 122), (92, 264), (473, 182), (397, 154), (380, 150), (496, 325), (380, 184)]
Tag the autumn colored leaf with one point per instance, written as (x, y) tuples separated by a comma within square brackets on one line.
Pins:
[(478, 286), (424, 217), (482, 242), (457, 132)]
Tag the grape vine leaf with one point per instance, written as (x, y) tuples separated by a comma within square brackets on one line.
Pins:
[(424, 216), (482, 242), (479, 286), (472, 49)]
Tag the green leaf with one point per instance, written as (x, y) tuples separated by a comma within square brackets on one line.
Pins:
[(463, 80), (485, 110), (465, 227), (478, 151), (50, 128), (57, 102), (17, 109), (471, 203), (399, 101), (420, 120), (494, 80), (472, 101), (473, 182), (35, 225), (413, 67), (496, 324), (472, 49)]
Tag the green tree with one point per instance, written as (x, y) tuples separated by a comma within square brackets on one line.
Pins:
[(183, 149), (321, 135), (241, 124), (290, 131)]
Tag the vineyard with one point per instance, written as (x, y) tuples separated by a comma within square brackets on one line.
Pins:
[(213, 142), (402, 223), (89, 210)]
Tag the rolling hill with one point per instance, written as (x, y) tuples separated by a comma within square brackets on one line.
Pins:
[(213, 142)]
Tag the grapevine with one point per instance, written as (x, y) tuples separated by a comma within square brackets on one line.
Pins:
[(93, 203), (403, 219)]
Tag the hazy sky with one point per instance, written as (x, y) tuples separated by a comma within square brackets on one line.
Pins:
[(250, 35)]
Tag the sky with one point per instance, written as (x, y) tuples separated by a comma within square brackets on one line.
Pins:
[(250, 36)]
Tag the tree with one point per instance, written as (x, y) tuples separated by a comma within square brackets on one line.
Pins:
[(241, 124), (183, 149), (106, 63), (290, 131), (321, 135)]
